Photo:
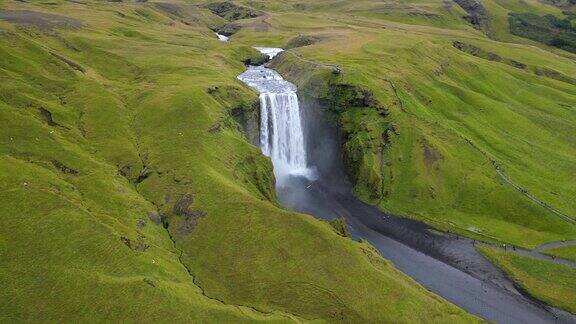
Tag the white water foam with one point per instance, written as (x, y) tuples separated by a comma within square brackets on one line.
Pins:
[(222, 38), (270, 51)]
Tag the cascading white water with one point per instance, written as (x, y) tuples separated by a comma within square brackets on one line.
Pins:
[(222, 38), (281, 134)]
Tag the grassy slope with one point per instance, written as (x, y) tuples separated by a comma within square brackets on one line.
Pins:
[(552, 283), (142, 106), (566, 252), (465, 110)]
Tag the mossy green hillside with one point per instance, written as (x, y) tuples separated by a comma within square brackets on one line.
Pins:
[(130, 193)]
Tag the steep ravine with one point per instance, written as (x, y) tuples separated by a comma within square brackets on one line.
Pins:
[(446, 264)]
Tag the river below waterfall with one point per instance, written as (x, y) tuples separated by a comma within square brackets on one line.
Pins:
[(305, 151)]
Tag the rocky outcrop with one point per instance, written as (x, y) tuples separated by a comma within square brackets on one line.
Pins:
[(553, 74), (69, 62), (301, 41), (229, 29), (138, 245), (490, 56), (342, 96), (249, 119), (547, 29), (231, 11), (341, 227), (63, 168), (189, 215), (477, 14)]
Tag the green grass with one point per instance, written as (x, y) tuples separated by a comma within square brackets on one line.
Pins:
[(566, 252), (129, 138), (139, 130), (552, 283)]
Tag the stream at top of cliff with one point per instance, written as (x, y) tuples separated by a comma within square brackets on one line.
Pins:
[(305, 151)]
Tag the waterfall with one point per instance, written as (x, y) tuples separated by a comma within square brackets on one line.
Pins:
[(222, 38), (281, 133)]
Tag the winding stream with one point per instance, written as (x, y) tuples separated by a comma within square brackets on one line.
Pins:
[(305, 152)]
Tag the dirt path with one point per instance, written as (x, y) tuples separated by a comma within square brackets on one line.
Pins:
[(530, 196)]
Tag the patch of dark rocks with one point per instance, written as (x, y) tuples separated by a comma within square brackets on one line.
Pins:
[(477, 13), (190, 216), (232, 11), (155, 218), (63, 168), (138, 245)]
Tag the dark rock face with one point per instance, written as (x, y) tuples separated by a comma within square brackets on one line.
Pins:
[(231, 11), (155, 218), (229, 29), (518, 65), (63, 168), (256, 60), (553, 74), (182, 206), (191, 216), (564, 4), (256, 173), (250, 121), (478, 52), (70, 63), (341, 227), (138, 245), (301, 41), (477, 14), (431, 155), (341, 96), (47, 116), (40, 20)]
